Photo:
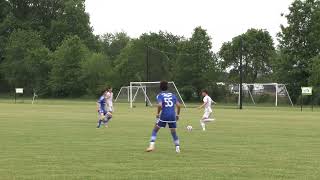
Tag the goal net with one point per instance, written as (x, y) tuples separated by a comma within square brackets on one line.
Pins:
[(123, 95), (263, 93), (144, 93)]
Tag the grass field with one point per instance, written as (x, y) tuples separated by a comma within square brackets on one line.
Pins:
[(58, 140)]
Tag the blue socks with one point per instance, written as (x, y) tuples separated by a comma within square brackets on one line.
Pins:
[(99, 123), (153, 135), (175, 138)]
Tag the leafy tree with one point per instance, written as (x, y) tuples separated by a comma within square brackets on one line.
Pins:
[(196, 63), (96, 72), (314, 78), (299, 44), (131, 63), (315, 71), (257, 51), (114, 43), (66, 74), (72, 20), (26, 61)]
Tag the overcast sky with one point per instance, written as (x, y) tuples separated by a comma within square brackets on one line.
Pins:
[(223, 19)]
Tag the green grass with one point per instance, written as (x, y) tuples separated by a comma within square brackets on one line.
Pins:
[(58, 140)]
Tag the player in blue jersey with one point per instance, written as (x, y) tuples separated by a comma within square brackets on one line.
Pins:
[(104, 115), (166, 115)]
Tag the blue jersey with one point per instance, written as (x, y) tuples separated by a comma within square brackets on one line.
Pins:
[(168, 101), (102, 102)]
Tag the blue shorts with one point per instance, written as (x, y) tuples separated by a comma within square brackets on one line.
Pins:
[(102, 111), (162, 124)]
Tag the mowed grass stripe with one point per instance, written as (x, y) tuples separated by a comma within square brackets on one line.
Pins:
[(58, 140)]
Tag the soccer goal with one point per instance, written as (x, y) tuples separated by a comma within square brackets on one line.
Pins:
[(145, 92), (265, 93), (124, 93)]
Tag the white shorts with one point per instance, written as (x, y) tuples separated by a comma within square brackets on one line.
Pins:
[(207, 114), (109, 109)]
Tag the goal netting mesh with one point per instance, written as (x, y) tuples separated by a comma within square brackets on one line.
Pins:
[(265, 94), (144, 93)]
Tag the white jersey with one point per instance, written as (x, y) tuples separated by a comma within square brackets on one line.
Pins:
[(109, 99), (207, 99)]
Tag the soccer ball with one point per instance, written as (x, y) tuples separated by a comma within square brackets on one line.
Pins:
[(189, 128)]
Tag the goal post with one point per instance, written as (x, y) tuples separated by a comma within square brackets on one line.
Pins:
[(150, 89), (275, 90), (124, 92)]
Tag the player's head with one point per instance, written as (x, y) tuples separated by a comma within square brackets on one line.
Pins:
[(163, 85), (204, 92), (109, 89), (104, 91)]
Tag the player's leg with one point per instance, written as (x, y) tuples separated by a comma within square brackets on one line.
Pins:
[(205, 116), (205, 119), (107, 118), (209, 118), (101, 118), (175, 138), (154, 133)]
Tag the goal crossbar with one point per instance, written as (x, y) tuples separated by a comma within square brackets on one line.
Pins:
[(276, 85), (134, 84)]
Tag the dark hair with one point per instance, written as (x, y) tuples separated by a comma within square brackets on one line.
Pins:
[(163, 85), (108, 88), (205, 91)]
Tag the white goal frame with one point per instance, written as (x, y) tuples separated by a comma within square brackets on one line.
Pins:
[(143, 88), (127, 88), (276, 85)]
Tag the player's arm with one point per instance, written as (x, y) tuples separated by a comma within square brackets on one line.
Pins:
[(98, 106), (159, 106), (214, 102), (178, 105), (204, 103), (159, 109)]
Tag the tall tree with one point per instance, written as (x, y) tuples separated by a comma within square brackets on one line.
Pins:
[(196, 64), (65, 76), (257, 51), (113, 44), (299, 44), (96, 73), (26, 60)]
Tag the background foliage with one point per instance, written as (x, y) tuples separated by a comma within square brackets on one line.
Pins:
[(49, 46)]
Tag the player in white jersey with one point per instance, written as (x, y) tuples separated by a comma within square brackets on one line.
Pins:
[(109, 104), (207, 103), (109, 100)]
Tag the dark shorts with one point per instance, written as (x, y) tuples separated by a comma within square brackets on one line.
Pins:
[(102, 111), (162, 124)]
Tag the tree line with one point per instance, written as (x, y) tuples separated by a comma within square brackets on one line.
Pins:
[(49, 46)]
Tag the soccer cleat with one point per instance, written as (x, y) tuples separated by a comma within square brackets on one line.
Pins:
[(177, 149), (150, 148)]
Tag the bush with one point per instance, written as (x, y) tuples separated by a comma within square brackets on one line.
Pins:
[(188, 93)]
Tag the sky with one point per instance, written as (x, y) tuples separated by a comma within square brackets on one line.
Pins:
[(223, 19)]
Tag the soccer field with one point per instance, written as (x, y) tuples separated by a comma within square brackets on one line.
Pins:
[(58, 140)]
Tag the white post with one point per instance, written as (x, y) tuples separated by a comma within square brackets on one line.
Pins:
[(251, 95), (145, 97), (239, 95), (145, 94), (128, 93), (119, 94), (179, 94), (131, 105), (276, 94), (285, 87), (135, 95)]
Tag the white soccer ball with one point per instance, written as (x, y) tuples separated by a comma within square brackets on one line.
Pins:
[(189, 128)]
